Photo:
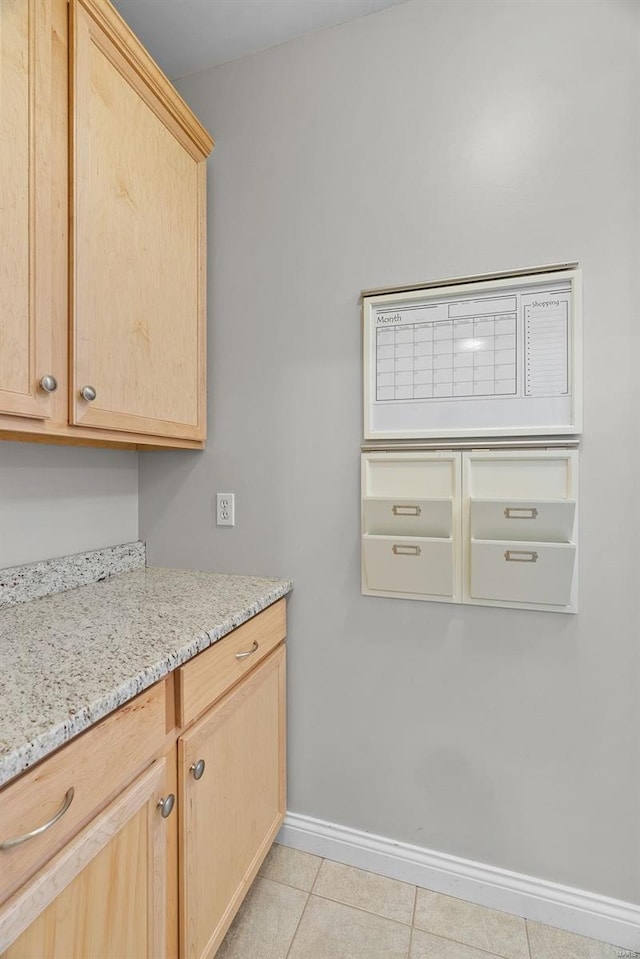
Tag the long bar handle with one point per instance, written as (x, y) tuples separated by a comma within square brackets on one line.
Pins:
[(406, 550), (521, 556), (68, 799), (520, 512)]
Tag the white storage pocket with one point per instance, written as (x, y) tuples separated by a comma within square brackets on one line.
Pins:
[(522, 572), (394, 516), (410, 474), (549, 521), (415, 564)]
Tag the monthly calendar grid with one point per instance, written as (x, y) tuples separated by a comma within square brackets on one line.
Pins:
[(447, 359)]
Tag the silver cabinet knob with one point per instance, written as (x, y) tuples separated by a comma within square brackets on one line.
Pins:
[(49, 383), (88, 393), (166, 805), (198, 769)]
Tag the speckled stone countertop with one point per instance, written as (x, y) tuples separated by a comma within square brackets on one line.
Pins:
[(22, 584), (69, 659)]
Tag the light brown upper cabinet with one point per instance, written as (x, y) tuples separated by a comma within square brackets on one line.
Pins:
[(116, 201), (25, 207), (138, 235)]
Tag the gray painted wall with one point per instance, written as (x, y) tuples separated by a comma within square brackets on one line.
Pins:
[(431, 140), (57, 500)]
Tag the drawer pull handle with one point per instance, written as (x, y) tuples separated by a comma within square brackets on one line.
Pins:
[(68, 799), (521, 556), (166, 805), (520, 512), (197, 769), (406, 550), (406, 510), (249, 652)]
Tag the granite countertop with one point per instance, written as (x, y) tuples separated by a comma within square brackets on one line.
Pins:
[(66, 660)]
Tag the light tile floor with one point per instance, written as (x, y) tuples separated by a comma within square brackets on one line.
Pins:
[(304, 907)]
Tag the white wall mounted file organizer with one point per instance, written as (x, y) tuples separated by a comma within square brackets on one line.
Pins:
[(490, 527), (498, 356), (411, 525), (520, 529)]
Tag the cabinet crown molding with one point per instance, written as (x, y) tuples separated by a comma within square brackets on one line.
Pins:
[(110, 21)]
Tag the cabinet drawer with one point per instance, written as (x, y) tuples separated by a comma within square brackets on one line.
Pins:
[(208, 676), (415, 564), (523, 520), (398, 516), (521, 572), (96, 766)]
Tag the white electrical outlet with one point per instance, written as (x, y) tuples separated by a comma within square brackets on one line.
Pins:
[(225, 509)]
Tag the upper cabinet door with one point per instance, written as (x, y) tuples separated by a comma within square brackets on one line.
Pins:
[(25, 208), (138, 237)]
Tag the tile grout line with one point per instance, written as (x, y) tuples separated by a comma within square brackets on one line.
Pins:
[(313, 884), (413, 916), (368, 912), (459, 942), (341, 902), (415, 906), (350, 905), (280, 882), (467, 945), (295, 932), (290, 885), (526, 932), (304, 909)]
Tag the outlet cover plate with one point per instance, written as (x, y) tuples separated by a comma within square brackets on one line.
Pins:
[(225, 509)]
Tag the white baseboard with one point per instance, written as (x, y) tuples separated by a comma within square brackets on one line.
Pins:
[(585, 913)]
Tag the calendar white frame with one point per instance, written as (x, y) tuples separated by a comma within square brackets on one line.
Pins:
[(569, 425)]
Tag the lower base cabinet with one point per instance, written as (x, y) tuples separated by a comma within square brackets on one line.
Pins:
[(143, 880), (231, 771), (103, 894)]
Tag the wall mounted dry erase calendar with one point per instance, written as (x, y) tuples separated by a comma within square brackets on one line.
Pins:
[(448, 518), (475, 357)]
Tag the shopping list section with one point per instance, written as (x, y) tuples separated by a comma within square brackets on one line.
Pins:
[(496, 525)]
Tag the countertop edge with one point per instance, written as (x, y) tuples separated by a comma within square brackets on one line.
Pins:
[(22, 758)]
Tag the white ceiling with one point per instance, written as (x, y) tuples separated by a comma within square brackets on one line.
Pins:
[(186, 36)]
